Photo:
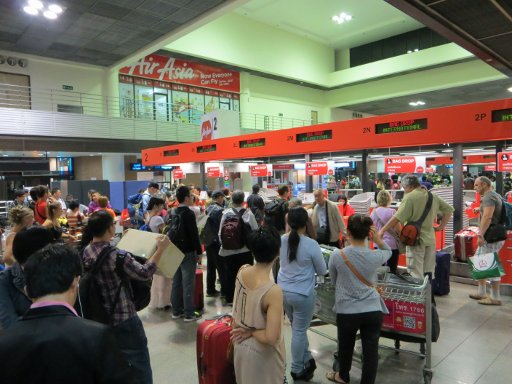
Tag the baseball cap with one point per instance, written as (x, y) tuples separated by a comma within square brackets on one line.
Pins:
[(20, 192), (216, 194)]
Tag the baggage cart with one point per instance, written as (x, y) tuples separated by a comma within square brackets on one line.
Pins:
[(409, 302)]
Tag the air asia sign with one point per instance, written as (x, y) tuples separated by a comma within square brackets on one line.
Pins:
[(320, 168), (261, 170), (504, 162), (404, 164), (213, 172), (185, 72), (209, 126)]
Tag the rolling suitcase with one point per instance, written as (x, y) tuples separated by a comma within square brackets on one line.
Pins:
[(212, 346), (198, 291), (441, 282), (466, 243)]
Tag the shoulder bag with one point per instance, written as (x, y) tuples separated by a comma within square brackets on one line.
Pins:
[(411, 231)]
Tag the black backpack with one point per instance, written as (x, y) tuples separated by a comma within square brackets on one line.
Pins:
[(89, 302), (275, 213), (140, 290), (176, 230)]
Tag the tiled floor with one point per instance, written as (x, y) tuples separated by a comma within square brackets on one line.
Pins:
[(475, 346)]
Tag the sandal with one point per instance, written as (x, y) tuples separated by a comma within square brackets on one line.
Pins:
[(489, 301), (331, 376)]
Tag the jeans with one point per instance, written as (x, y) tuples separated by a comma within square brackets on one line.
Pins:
[(299, 309), (369, 324), (212, 255), (133, 343), (233, 264), (182, 295)]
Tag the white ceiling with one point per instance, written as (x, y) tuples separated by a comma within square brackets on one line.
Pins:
[(371, 19)]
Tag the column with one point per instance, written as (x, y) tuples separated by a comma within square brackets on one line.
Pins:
[(458, 197), (364, 170), (113, 166), (309, 179), (499, 175), (202, 176)]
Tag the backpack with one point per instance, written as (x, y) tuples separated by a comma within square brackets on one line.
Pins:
[(207, 236), (275, 214), (134, 204), (234, 231), (506, 214), (90, 302), (145, 226), (411, 231), (175, 229), (140, 290)]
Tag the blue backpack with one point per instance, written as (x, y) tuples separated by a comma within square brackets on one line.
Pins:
[(134, 204), (506, 214)]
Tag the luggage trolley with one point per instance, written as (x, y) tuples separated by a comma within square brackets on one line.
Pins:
[(410, 312)]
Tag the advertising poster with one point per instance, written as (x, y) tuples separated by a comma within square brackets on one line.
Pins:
[(405, 316), (235, 102), (211, 100), (180, 105), (196, 102), (504, 161), (209, 126), (126, 97), (144, 98), (405, 164)]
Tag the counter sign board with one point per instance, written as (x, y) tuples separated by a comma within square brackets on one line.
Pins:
[(326, 134), (178, 174), (405, 164), (502, 115), (504, 162), (213, 172), (260, 170), (401, 126), (319, 168)]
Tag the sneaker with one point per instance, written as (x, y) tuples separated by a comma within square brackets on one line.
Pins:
[(477, 297), (212, 294), (196, 316), (177, 315), (310, 366)]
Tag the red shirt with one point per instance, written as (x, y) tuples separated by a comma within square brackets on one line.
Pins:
[(40, 212)]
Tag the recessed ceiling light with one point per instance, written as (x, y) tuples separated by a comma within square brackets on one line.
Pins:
[(50, 15), (30, 10), (35, 4), (416, 103), (341, 18), (55, 8), (509, 89)]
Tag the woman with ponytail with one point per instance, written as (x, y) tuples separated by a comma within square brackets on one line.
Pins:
[(300, 258)]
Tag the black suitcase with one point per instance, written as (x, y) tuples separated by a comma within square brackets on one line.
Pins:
[(441, 282)]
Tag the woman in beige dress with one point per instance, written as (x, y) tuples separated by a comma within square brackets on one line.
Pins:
[(259, 354)]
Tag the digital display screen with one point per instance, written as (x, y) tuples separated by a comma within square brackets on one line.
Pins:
[(140, 167), (252, 143), (206, 148), (172, 152), (313, 136), (502, 115), (401, 126)]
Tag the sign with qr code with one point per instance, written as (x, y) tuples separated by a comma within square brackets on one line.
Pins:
[(405, 317)]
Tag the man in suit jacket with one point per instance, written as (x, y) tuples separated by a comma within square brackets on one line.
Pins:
[(50, 343), (327, 220)]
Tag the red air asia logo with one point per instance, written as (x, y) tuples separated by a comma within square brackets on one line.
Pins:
[(206, 130)]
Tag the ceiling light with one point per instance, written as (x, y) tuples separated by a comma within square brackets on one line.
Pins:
[(35, 4), (6, 155), (341, 18), (55, 8), (31, 10), (510, 89), (50, 15), (416, 103)]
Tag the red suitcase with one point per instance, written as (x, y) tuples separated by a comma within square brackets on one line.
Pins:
[(198, 291), (212, 347), (466, 243)]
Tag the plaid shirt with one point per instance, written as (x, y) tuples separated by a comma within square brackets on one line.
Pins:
[(109, 280)]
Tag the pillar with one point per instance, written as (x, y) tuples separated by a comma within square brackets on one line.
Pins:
[(458, 197)]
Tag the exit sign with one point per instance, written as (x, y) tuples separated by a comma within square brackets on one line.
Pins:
[(67, 87)]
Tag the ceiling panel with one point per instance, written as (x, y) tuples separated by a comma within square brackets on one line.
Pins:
[(91, 31)]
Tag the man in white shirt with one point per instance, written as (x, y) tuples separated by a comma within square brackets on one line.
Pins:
[(57, 196)]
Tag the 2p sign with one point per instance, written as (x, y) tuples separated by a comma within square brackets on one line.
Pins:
[(504, 161)]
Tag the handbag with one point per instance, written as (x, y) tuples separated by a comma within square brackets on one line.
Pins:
[(323, 234), (411, 231), (396, 236), (485, 265)]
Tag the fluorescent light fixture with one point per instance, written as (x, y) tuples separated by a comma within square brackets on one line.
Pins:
[(35, 4), (31, 10), (6, 155), (416, 103), (430, 153), (50, 15), (55, 8), (341, 18), (509, 89)]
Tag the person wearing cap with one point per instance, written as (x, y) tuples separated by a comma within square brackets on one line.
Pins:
[(214, 212), (20, 200)]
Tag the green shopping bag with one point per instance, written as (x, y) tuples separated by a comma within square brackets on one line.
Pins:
[(486, 265)]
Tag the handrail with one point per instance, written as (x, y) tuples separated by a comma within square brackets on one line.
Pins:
[(54, 100)]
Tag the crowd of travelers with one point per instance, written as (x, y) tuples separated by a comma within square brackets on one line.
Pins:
[(265, 256)]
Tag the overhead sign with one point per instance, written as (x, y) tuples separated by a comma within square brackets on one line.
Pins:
[(319, 168), (214, 172), (260, 170), (502, 115), (253, 143), (491, 168), (178, 174), (209, 128), (405, 164), (401, 126), (504, 161), (282, 167), (165, 68), (325, 134)]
